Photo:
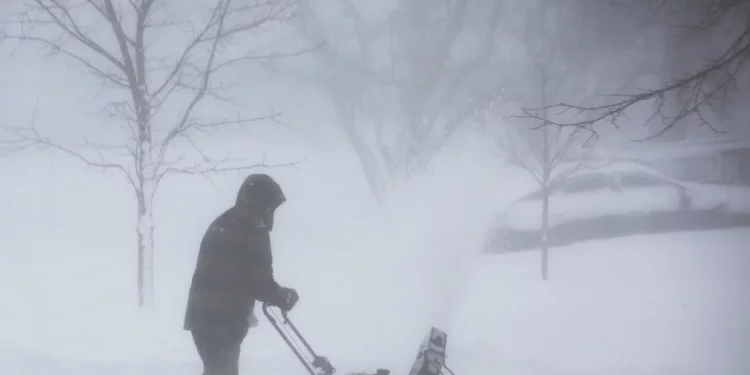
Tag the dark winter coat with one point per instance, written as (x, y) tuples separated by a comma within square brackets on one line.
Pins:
[(234, 269)]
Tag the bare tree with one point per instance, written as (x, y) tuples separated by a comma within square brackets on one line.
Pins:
[(398, 86), (150, 147), (549, 155), (697, 90)]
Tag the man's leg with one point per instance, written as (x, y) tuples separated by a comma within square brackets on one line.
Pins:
[(219, 350)]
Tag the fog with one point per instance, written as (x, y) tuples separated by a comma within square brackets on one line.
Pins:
[(397, 132)]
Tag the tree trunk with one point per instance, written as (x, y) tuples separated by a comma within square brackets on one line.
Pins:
[(547, 167), (346, 115), (145, 233), (145, 194), (144, 164), (545, 231)]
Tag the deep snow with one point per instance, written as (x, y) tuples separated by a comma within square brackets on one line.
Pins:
[(372, 282)]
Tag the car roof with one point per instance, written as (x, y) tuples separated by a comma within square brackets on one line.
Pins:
[(608, 167), (611, 167)]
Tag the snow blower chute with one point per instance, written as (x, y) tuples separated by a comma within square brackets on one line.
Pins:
[(430, 358)]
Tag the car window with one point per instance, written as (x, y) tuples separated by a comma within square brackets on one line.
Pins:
[(638, 181), (584, 185)]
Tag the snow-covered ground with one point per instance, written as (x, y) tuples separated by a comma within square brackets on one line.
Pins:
[(372, 282), (655, 304)]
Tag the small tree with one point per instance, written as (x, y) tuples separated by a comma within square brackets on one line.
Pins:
[(546, 72), (548, 155), (146, 87)]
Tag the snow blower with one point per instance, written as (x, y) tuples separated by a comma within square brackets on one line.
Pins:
[(430, 358)]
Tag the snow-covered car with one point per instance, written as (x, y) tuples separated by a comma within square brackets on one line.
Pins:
[(617, 199)]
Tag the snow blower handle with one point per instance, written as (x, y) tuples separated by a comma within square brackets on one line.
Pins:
[(313, 361)]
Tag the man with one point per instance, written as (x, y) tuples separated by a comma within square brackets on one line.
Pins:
[(235, 269)]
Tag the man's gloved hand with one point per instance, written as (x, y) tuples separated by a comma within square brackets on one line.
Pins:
[(286, 298)]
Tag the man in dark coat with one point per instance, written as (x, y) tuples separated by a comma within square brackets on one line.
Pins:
[(235, 269)]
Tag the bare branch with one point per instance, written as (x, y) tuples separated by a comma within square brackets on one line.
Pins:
[(215, 32), (544, 150), (565, 147), (529, 168), (57, 47), (547, 158), (204, 35), (131, 75), (60, 14), (207, 127), (698, 90), (270, 56), (225, 165), (28, 138), (183, 124), (198, 39)]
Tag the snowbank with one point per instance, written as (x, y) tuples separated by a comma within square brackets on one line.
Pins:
[(371, 281), (674, 301)]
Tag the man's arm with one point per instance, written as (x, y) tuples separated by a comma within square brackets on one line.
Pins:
[(260, 281)]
